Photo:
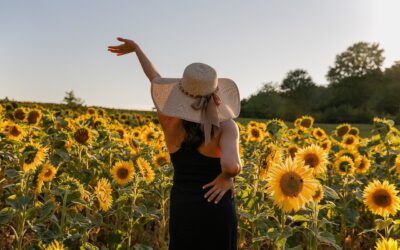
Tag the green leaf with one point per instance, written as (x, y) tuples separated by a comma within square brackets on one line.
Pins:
[(331, 193), (6, 214), (63, 154), (20, 201), (46, 209), (328, 238)]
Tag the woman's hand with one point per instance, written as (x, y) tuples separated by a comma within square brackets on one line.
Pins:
[(220, 184), (128, 46)]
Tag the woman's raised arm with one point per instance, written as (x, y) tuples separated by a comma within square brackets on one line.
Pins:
[(129, 46), (148, 67)]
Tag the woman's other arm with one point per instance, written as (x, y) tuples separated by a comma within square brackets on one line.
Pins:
[(229, 144)]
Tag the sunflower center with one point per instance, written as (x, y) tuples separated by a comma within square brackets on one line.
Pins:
[(33, 117), (311, 160), (19, 114), (14, 131), (362, 165), (161, 160), (349, 141), (306, 123), (255, 133), (122, 173), (48, 173), (291, 184), (81, 135), (317, 194), (319, 133), (342, 131), (381, 197)]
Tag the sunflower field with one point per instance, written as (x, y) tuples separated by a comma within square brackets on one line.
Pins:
[(98, 180)]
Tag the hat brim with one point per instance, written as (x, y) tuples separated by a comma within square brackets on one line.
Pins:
[(170, 100)]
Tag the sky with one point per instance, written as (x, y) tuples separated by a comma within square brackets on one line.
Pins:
[(49, 47)]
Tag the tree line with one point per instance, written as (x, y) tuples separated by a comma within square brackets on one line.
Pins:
[(358, 89)]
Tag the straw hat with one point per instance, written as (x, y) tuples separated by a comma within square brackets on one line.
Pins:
[(199, 96)]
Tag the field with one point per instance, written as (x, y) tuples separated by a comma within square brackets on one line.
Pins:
[(97, 178)]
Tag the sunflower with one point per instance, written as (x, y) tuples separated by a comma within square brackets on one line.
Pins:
[(33, 155), (306, 121), (291, 184), (122, 172), (362, 164), (47, 173), (161, 159), (319, 133), (1, 108), (15, 132), (349, 141), (326, 145), (381, 198), (149, 135), (254, 134), (314, 157), (91, 111), (145, 169), (55, 245), (292, 150), (103, 193), (34, 116), (136, 133), (83, 135), (342, 129), (20, 114), (318, 194), (344, 165), (386, 244)]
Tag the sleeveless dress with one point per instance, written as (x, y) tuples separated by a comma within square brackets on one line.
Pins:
[(194, 222)]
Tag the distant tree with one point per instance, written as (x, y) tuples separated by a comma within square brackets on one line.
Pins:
[(296, 79), (358, 60), (71, 100)]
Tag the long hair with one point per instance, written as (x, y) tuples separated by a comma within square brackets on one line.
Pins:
[(194, 135)]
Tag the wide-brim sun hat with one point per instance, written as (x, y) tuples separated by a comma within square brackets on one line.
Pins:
[(198, 96)]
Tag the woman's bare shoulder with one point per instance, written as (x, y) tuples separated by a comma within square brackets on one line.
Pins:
[(230, 127)]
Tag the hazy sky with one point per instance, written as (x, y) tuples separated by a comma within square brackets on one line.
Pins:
[(48, 47)]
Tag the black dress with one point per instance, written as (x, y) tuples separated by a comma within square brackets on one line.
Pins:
[(194, 222)]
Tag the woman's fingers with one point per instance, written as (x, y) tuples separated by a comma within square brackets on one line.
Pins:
[(210, 191), (221, 194), (122, 39), (213, 195), (208, 184)]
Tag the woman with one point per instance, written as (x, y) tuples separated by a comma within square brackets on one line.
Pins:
[(195, 113)]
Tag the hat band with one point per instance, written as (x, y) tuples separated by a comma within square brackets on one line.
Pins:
[(188, 94)]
